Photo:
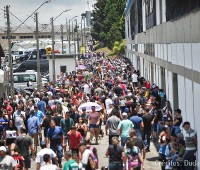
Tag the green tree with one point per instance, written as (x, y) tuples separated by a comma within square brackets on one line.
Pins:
[(108, 21), (119, 48)]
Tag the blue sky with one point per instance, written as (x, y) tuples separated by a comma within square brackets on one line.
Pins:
[(23, 8)]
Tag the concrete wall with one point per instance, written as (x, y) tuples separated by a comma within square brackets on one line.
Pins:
[(68, 62), (176, 52)]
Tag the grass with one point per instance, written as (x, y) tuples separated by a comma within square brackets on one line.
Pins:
[(99, 48)]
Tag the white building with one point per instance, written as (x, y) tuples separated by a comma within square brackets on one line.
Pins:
[(63, 63), (163, 42)]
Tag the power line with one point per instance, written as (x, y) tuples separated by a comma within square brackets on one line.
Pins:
[(21, 21)]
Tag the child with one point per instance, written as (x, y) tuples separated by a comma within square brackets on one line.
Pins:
[(18, 159)]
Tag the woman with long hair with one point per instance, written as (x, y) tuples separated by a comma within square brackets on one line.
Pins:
[(133, 156), (115, 152)]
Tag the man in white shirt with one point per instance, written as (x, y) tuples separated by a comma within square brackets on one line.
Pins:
[(134, 78), (39, 159), (86, 88), (108, 102)]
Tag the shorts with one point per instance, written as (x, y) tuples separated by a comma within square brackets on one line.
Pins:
[(27, 161), (66, 140), (93, 126)]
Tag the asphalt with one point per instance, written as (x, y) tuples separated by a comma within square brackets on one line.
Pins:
[(151, 161)]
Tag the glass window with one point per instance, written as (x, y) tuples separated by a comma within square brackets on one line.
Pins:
[(24, 78)]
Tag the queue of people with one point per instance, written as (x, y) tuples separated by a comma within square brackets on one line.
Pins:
[(133, 110)]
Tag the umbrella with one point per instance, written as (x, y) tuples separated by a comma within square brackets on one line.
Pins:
[(88, 106), (81, 67)]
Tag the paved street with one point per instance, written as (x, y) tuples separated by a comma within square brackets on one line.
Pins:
[(150, 161)]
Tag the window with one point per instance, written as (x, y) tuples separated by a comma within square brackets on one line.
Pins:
[(24, 78), (5, 37), (63, 69), (26, 37)]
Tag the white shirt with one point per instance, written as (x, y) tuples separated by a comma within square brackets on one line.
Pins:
[(19, 121), (134, 78), (86, 89), (41, 153), (49, 167), (108, 102)]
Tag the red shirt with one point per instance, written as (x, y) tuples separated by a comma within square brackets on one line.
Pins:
[(19, 161), (9, 110), (75, 140)]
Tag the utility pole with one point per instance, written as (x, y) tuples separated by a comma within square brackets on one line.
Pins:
[(84, 34), (53, 55), (9, 51), (67, 29), (81, 32), (61, 27), (75, 49), (69, 38), (38, 53), (72, 31)]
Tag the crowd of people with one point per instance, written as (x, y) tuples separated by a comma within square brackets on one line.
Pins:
[(52, 124)]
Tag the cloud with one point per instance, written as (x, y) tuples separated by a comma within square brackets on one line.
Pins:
[(23, 8)]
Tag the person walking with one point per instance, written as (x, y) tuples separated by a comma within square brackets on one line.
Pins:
[(191, 146), (39, 159), (75, 139), (112, 125), (25, 143), (55, 138), (138, 124), (94, 122), (6, 161), (124, 127), (115, 152), (33, 128), (147, 119), (70, 164), (66, 124), (48, 165)]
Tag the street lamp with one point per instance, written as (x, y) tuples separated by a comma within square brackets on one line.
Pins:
[(70, 34), (32, 14), (53, 55)]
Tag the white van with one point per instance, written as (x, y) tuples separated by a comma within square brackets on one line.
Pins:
[(22, 78)]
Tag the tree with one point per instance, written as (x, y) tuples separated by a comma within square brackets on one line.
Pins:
[(108, 21), (119, 48)]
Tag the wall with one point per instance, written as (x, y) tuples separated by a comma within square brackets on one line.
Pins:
[(177, 52), (69, 62)]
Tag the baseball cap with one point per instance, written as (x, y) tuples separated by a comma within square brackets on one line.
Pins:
[(178, 110), (186, 123), (124, 114), (3, 148)]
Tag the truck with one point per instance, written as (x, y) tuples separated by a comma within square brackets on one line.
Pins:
[(31, 62)]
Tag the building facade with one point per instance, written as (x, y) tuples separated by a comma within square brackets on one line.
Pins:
[(163, 42)]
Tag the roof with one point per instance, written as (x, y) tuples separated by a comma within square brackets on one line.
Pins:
[(1, 52), (45, 28)]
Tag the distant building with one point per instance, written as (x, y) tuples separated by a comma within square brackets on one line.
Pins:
[(163, 42)]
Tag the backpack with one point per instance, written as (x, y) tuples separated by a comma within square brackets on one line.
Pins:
[(94, 157), (133, 158)]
